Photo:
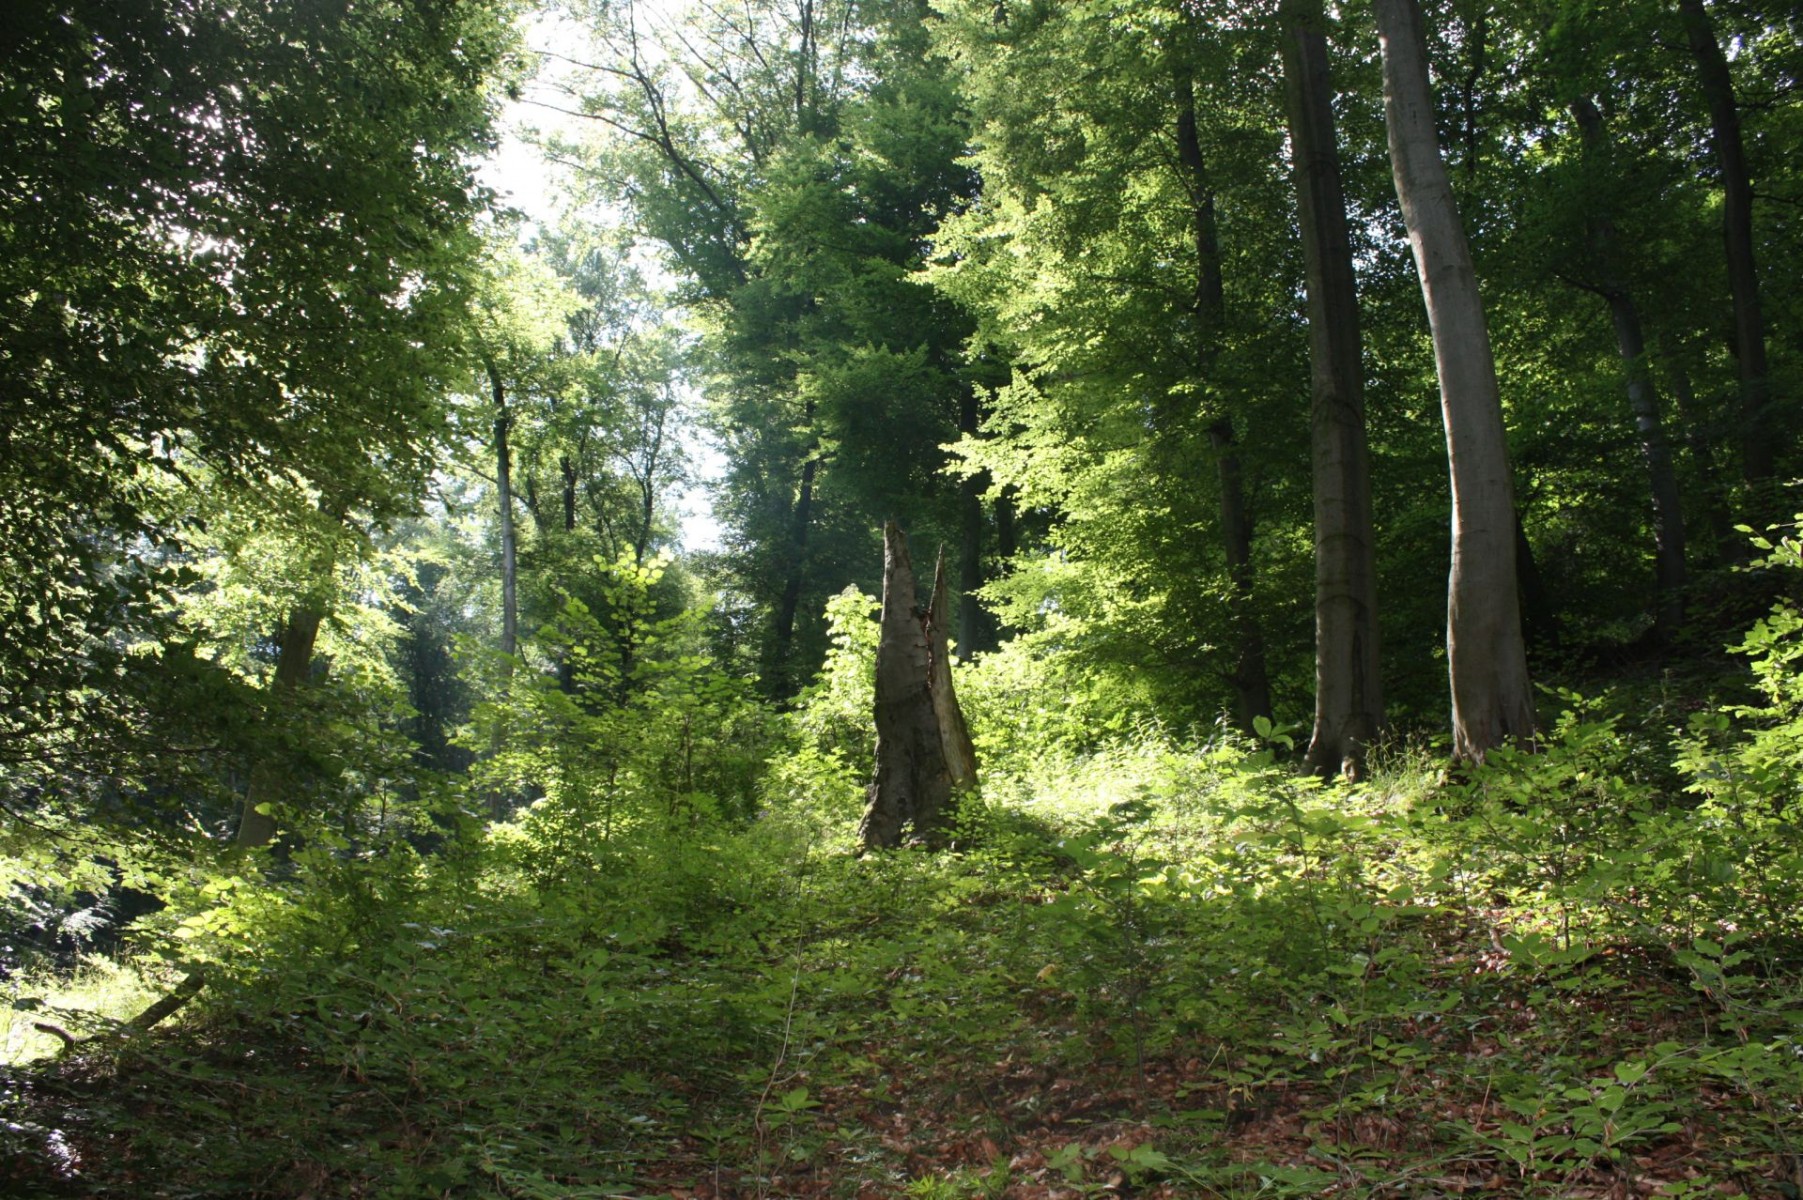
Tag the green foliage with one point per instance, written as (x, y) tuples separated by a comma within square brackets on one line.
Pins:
[(92, 998), (628, 723), (1744, 763), (792, 180), (615, 941), (1514, 967), (236, 250)]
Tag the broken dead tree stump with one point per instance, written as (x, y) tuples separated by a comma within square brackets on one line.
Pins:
[(924, 755)]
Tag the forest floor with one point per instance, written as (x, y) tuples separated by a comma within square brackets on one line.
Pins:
[(1225, 985)]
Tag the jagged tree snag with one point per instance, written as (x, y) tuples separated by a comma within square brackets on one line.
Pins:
[(923, 751)]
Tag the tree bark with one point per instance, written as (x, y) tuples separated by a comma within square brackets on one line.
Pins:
[(1005, 540), (782, 665), (1492, 701), (567, 471), (1249, 678), (954, 734), (270, 776), (1643, 402), (923, 751), (1540, 624), (510, 603), (1757, 432), (1730, 546), (1348, 684), (976, 628)]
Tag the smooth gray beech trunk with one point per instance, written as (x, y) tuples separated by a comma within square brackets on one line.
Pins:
[(1348, 687), (924, 755), (1757, 434), (1492, 700), (1643, 400)]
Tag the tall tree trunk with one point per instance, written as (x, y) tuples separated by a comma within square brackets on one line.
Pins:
[(1348, 684), (510, 602), (1477, 40), (1249, 678), (923, 752), (1540, 623), (271, 775), (567, 470), (1005, 541), (1757, 428), (976, 628), (1492, 701), (1729, 545), (782, 666), (1643, 402)]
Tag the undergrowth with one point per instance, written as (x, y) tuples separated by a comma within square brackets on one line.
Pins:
[(90, 997), (1150, 970), (1161, 966)]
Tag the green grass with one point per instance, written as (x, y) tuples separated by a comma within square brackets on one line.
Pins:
[(84, 1001), (1181, 970)]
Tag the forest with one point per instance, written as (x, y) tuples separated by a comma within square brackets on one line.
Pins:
[(946, 599)]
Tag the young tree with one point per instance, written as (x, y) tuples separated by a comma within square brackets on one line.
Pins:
[(1492, 700), (1131, 260)]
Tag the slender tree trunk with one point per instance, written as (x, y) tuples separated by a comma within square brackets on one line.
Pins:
[(510, 603), (1492, 701), (1758, 432), (783, 664), (976, 628), (1643, 402), (1348, 684), (567, 470), (1668, 520), (1249, 678), (923, 752), (1251, 682), (1730, 546), (1005, 540), (1477, 39), (653, 425), (1539, 615), (270, 777)]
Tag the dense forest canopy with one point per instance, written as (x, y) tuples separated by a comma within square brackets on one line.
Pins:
[(1359, 445)]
